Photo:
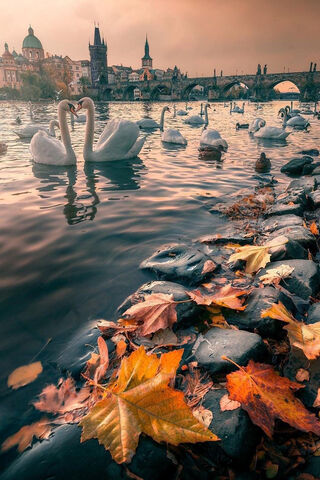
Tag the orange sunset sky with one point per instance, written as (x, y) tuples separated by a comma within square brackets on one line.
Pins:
[(197, 35)]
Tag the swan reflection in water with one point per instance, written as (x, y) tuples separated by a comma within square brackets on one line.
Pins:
[(83, 206)]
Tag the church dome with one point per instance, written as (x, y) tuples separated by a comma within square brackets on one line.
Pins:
[(31, 41)]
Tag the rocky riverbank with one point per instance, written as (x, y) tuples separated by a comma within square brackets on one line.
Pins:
[(215, 337)]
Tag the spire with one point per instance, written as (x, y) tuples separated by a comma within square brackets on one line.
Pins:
[(146, 48), (97, 38), (30, 30)]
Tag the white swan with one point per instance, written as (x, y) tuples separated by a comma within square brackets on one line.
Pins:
[(256, 124), (79, 119), (171, 135), (118, 141), (272, 133), (51, 151), (197, 120), (30, 130), (236, 108), (182, 112), (187, 106), (212, 138)]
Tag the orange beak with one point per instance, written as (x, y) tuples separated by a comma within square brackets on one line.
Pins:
[(79, 107), (73, 111)]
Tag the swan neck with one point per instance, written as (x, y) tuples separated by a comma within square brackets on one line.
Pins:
[(88, 142), (65, 135), (206, 114), (162, 119)]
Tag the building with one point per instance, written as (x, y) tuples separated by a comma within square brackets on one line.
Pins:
[(9, 74), (146, 60), (32, 47), (99, 63)]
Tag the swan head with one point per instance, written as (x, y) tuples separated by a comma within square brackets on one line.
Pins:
[(85, 103), (67, 106)]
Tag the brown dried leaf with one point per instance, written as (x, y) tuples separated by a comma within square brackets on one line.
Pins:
[(23, 375), (227, 404), (23, 438), (302, 375), (209, 266)]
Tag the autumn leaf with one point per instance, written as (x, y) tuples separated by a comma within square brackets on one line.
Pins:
[(23, 438), (157, 311), (305, 337), (314, 229), (302, 375), (275, 275), (316, 403), (209, 266), (21, 376), (103, 360), (108, 328), (121, 348), (204, 415), (267, 396), (226, 404), (140, 401), (256, 257), (216, 319), (226, 296)]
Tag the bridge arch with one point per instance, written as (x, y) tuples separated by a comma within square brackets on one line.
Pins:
[(291, 87), (187, 91), (131, 92), (243, 89)]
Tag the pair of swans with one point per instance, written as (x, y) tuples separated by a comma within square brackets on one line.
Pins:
[(259, 129), (118, 141)]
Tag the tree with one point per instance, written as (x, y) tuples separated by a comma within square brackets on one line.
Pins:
[(84, 82)]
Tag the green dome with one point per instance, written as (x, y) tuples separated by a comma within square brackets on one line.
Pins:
[(31, 41)]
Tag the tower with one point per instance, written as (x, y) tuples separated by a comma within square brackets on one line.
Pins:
[(98, 57), (32, 48), (146, 59)]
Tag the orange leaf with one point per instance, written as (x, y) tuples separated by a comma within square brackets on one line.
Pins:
[(121, 348), (157, 311), (104, 360), (279, 312), (141, 401), (23, 438), (209, 266), (23, 375), (227, 404), (267, 396), (314, 229), (226, 296)]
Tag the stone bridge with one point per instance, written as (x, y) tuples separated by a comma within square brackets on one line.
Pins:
[(260, 87)]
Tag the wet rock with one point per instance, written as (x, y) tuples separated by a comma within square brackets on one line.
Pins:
[(296, 233), (64, 457), (308, 169), (297, 196), (229, 234), (312, 467), (314, 152), (237, 345), (304, 280), (250, 319), (307, 183), (238, 436), (316, 171), (295, 166), (271, 224), (184, 263), (315, 198), (298, 360), (284, 209), (289, 250), (185, 311), (313, 314)]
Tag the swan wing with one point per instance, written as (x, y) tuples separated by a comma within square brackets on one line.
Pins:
[(171, 135), (119, 142), (272, 132), (135, 150), (208, 136), (108, 130), (147, 123), (30, 130), (195, 119), (47, 150)]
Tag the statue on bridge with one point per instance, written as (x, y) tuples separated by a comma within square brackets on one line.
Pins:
[(315, 67), (265, 70), (259, 69)]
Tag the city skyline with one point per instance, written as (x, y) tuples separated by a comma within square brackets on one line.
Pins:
[(281, 38)]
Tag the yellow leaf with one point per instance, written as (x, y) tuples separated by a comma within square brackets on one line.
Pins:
[(275, 275), (140, 401), (278, 311), (314, 229), (23, 375), (256, 257)]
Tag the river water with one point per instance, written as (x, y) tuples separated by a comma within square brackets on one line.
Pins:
[(71, 239)]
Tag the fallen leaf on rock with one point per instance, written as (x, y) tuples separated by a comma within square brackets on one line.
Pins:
[(316, 403), (302, 375), (103, 360), (226, 296), (226, 404), (275, 275), (140, 401), (209, 266), (271, 469), (121, 348), (196, 385), (23, 438), (203, 415), (108, 328), (256, 257), (305, 337), (21, 376), (157, 311), (314, 229), (267, 396), (216, 319)]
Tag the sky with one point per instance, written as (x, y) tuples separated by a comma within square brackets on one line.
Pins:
[(196, 35)]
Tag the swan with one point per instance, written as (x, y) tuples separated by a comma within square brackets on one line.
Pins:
[(197, 120), (236, 108), (3, 148), (182, 112), (187, 107), (30, 130), (79, 119), (256, 124), (296, 121), (51, 151), (171, 135), (147, 124), (212, 138), (272, 133), (118, 141)]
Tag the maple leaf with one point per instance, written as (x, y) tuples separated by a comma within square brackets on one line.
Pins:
[(275, 275), (23, 438), (256, 257), (21, 376), (314, 229), (140, 401), (226, 296), (305, 337), (157, 311), (267, 396), (108, 328)]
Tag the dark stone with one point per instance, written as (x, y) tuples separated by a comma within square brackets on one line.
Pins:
[(308, 169), (289, 250), (64, 457), (315, 198), (229, 234), (283, 209), (297, 196), (238, 436), (271, 224), (237, 345), (295, 166), (260, 299), (304, 280), (298, 234), (314, 152), (316, 171), (313, 467), (313, 314), (307, 183), (185, 311), (178, 262)]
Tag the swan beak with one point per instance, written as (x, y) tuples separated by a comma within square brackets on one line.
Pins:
[(73, 111), (79, 106)]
